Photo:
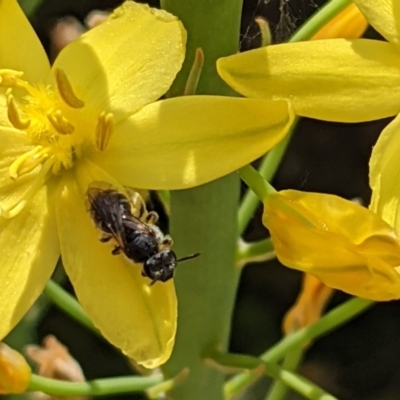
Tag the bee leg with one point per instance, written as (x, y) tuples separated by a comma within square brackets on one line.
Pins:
[(117, 250), (105, 238), (152, 218), (167, 242)]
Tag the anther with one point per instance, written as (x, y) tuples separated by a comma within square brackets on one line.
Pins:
[(27, 162), (13, 114), (9, 77), (103, 130), (60, 123), (13, 210), (65, 89)]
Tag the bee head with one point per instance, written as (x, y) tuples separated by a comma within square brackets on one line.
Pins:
[(161, 266)]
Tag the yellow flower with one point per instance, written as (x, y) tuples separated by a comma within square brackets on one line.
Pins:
[(336, 79), (339, 242), (15, 372), (95, 116), (349, 24)]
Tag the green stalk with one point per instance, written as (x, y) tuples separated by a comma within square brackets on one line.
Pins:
[(204, 219)]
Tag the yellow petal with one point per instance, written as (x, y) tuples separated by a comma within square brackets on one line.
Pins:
[(384, 16), (30, 252), (15, 372), (349, 24), (333, 80), (130, 60), (138, 318), (20, 48), (342, 244), (384, 175), (192, 140)]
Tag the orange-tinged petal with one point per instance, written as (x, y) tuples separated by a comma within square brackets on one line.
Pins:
[(130, 60), (384, 174), (30, 252), (187, 141), (334, 80), (20, 48), (384, 16), (138, 318), (341, 243), (349, 24), (309, 305), (15, 372)]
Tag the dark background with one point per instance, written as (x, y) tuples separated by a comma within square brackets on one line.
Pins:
[(358, 361)]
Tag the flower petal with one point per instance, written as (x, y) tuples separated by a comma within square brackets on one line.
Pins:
[(20, 48), (384, 173), (342, 244), (138, 318), (187, 141), (384, 16), (334, 80), (31, 254), (130, 60)]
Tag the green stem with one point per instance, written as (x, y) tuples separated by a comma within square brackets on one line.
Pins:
[(279, 388), (267, 170), (330, 321), (260, 251), (319, 20), (299, 384), (97, 387), (68, 304), (255, 182), (204, 219)]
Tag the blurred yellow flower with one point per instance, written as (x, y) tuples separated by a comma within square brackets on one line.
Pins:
[(15, 372), (348, 24), (309, 305), (339, 242), (95, 116)]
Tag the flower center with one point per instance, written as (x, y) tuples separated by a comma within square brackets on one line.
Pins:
[(58, 124)]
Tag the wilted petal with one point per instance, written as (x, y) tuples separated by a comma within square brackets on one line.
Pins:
[(138, 318), (341, 243), (384, 16), (20, 48), (130, 60), (187, 141), (30, 252), (334, 80), (309, 305)]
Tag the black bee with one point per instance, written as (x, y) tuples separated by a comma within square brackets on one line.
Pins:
[(133, 229)]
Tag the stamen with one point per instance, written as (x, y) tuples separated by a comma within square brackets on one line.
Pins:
[(60, 123), (11, 212), (9, 77), (27, 162), (13, 114), (103, 130), (65, 89)]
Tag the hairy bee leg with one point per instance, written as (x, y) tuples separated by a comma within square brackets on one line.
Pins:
[(117, 250), (105, 238), (152, 218), (166, 243)]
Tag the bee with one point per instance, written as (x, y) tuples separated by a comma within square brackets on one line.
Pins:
[(133, 229)]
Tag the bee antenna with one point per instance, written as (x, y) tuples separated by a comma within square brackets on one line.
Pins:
[(188, 257)]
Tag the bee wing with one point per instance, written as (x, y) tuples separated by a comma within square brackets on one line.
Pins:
[(138, 226), (138, 205)]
